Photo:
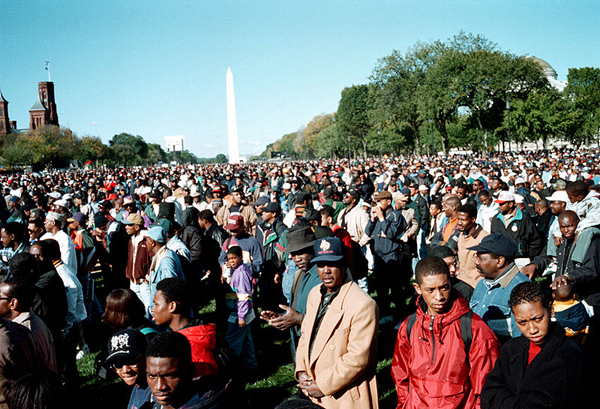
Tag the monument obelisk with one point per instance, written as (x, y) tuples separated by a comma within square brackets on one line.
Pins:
[(234, 155)]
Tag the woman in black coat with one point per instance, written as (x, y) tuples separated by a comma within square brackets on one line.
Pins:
[(541, 369)]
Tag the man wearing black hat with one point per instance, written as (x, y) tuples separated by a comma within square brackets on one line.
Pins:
[(299, 279), (127, 357), (385, 227), (270, 232), (495, 263)]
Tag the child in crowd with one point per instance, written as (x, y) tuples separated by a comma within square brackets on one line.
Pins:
[(239, 303), (570, 313)]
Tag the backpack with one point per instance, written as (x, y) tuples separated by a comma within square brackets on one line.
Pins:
[(465, 329)]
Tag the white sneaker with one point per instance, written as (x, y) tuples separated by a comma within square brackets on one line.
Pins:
[(85, 350)]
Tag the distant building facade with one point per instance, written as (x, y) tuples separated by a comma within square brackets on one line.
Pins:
[(41, 114)]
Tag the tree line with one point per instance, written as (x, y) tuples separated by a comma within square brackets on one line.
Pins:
[(60, 147), (460, 93)]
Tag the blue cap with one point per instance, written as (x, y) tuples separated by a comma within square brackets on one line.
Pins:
[(157, 233), (328, 249)]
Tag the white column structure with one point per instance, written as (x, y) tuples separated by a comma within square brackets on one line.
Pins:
[(234, 154)]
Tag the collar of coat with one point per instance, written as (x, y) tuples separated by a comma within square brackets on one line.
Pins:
[(505, 277), (518, 215)]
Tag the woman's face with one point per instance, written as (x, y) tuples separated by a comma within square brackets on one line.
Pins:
[(533, 319)]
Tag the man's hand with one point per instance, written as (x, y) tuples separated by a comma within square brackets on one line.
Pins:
[(308, 386), (379, 213), (285, 321), (561, 280), (241, 322), (529, 270), (277, 278), (268, 315), (558, 241)]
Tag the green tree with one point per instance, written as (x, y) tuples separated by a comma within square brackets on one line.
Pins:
[(352, 115), (90, 148), (128, 149), (156, 154), (221, 158), (584, 92), (397, 82), (540, 116), (40, 147), (184, 156), (313, 129)]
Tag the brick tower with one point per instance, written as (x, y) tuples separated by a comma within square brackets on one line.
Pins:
[(43, 111), (4, 121)]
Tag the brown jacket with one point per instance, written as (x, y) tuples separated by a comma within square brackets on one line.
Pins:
[(246, 211), (141, 267), (18, 355), (343, 354)]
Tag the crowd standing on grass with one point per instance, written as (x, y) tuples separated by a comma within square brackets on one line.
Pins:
[(484, 266)]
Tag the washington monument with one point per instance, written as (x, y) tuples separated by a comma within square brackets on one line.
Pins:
[(234, 155)]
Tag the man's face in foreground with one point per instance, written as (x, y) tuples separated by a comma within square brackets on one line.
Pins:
[(166, 378)]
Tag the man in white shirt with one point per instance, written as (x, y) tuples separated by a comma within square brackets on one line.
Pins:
[(54, 223)]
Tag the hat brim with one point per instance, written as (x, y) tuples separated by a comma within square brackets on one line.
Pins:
[(326, 258), (112, 358), (232, 226), (502, 201), (292, 248)]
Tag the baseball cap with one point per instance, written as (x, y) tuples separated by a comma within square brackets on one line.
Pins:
[(125, 346), (77, 217), (261, 201), (505, 196), (496, 243), (328, 249), (559, 195), (158, 234), (134, 218), (234, 222), (272, 207)]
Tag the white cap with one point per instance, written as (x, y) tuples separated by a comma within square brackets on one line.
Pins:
[(519, 181), (62, 203), (560, 196), (505, 196), (519, 198)]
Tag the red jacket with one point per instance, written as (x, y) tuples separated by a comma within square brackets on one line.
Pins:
[(203, 339), (434, 372)]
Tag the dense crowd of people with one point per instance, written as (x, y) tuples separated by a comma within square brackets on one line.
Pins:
[(485, 266)]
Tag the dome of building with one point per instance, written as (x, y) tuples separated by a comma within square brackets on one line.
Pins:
[(547, 68)]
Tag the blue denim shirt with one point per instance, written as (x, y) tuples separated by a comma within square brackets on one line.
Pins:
[(490, 301)]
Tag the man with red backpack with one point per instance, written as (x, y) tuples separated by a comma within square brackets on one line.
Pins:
[(443, 351)]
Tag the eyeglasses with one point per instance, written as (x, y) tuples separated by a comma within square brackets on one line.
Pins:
[(119, 367)]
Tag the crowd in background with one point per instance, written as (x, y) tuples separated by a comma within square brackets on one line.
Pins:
[(126, 259)]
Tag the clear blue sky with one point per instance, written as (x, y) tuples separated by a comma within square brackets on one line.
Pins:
[(157, 68)]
